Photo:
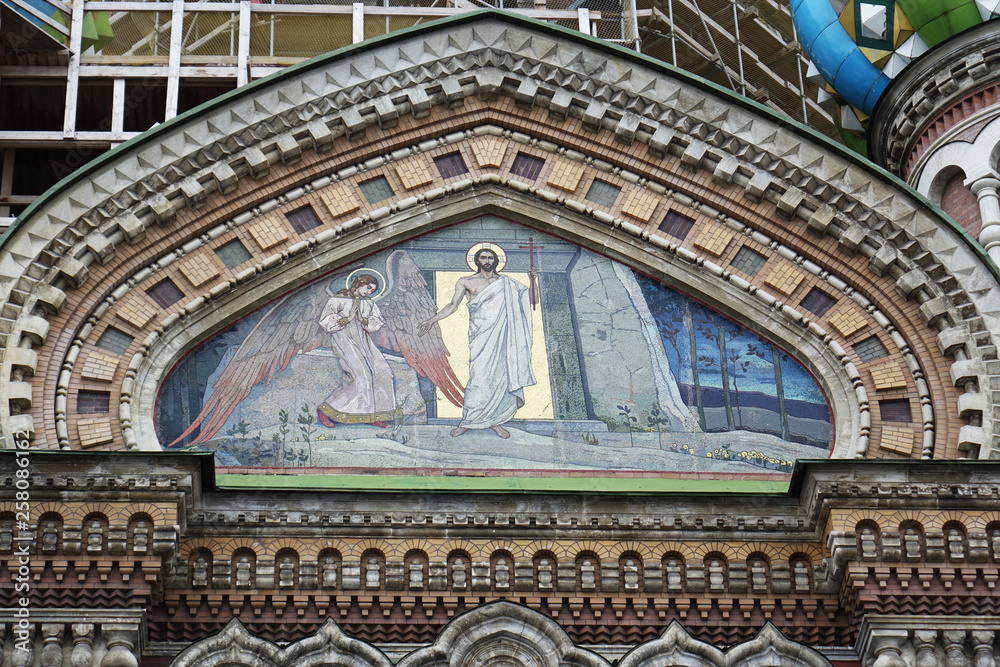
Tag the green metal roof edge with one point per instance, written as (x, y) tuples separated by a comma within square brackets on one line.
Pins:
[(788, 488), (498, 484), (596, 43), (211, 481)]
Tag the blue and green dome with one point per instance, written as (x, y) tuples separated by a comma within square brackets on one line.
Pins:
[(858, 46)]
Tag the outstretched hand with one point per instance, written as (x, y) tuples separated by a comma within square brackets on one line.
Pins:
[(424, 327)]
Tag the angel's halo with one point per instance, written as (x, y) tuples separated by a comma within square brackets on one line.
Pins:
[(350, 278), (470, 255)]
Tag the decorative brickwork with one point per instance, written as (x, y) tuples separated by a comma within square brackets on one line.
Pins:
[(376, 189), (340, 199), (233, 254), (870, 349), (566, 175), (820, 559), (414, 173), (94, 431), (847, 319), (640, 205), (715, 240), (602, 193), (887, 375), (897, 439), (114, 340), (748, 261), (137, 312), (394, 560), (267, 232), (784, 277), (489, 152), (100, 366), (200, 268)]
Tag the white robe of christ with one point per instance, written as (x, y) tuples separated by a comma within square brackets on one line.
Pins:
[(499, 354)]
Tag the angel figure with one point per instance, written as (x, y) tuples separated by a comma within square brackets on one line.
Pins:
[(366, 394), (313, 319)]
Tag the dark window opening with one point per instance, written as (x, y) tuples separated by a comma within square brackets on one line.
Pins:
[(93, 402), (676, 225), (451, 165), (165, 293), (303, 219), (818, 302), (895, 411), (527, 166)]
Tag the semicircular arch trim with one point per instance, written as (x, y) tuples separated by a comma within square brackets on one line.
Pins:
[(667, 144)]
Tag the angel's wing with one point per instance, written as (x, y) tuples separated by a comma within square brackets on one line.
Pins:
[(405, 305), (290, 327)]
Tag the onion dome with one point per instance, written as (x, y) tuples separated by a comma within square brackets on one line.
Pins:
[(856, 47)]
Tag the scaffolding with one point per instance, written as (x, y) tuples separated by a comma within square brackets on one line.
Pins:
[(98, 72)]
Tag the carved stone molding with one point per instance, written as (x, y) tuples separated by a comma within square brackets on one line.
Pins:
[(677, 647), (78, 637), (495, 633), (236, 645), (926, 641), (502, 633)]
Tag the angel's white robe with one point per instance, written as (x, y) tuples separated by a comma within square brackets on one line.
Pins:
[(499, 354), (365, 393)]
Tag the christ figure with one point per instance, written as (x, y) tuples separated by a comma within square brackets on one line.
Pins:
[(499, 344)]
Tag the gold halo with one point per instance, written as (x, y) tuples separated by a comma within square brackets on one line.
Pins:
[(365, 270), (470, 255)]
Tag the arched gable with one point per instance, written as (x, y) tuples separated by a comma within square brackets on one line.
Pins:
[(490, 86)]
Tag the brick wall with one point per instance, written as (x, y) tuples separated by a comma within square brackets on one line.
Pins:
[(959, 202)]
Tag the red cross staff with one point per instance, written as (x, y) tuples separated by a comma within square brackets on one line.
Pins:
[(531, 248)]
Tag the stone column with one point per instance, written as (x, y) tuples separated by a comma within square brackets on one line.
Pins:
[(985, 190)]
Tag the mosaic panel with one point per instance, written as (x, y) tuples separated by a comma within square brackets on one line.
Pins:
[(488, 346)]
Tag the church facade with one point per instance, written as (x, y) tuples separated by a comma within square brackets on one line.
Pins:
[(490, 343)]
